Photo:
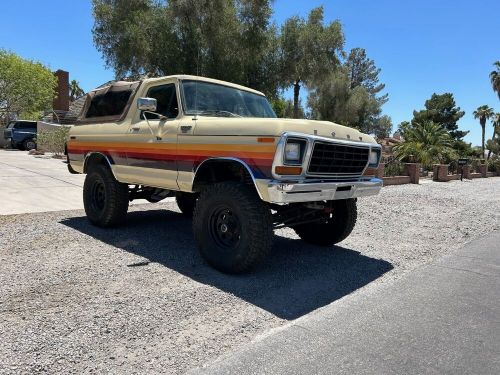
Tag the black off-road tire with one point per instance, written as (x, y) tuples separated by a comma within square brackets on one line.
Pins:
[(29, 144), (335, 230), (105, 199), (186, 202), (248, 238)]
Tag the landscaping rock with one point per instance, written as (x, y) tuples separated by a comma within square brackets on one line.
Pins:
[(71, 301)]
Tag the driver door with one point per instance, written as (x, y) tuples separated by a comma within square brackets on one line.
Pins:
[(152, 146)]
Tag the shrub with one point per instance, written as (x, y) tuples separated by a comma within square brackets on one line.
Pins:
[(394, 169), (53, 140), (494, 164)]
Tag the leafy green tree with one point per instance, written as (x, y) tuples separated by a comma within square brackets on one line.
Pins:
[(403, 127), (465, 149), (427, 143), (310, 51), (258, 46), (496, 124), (224, 39), (494, 146), (363, 72), (284, 108), (350, 95), (491, 144), (495, 78), (333, 99), (442, 109), (122, 32), (279, 105), (383, 127), (26, 87), (75, 91), (483, 113)]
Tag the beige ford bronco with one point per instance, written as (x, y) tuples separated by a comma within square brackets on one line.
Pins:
[(218, 147)]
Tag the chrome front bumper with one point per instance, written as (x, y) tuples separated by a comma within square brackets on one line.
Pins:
[(288, 192)]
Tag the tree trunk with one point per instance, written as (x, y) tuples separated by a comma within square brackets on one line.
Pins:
[(483, 128), (296, 92), (492, 139)]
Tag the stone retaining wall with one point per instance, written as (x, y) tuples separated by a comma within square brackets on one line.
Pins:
[(397, 180), (411, 175), (441, 172)]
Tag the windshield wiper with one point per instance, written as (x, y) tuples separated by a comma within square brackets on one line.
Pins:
[(218, 112)]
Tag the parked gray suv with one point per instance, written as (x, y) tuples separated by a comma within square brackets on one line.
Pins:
[(21, 134)]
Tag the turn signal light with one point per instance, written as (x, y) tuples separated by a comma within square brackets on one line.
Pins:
[(288, 171)]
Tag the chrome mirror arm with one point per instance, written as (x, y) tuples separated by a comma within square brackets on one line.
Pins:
[(161, 117)]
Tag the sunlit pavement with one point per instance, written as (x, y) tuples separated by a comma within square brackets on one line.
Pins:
[(440, 319), (30, 183)]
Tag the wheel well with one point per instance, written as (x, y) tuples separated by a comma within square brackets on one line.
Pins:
[(220, 170), (93, 160)]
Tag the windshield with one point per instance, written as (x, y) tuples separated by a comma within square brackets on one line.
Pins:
[(209, 99)]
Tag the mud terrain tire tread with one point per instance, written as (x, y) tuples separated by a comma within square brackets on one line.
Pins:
[(337, 229), (256, 232), (116, 198)]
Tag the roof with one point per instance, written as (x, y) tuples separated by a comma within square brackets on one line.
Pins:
[(205, 79), (391, 139)]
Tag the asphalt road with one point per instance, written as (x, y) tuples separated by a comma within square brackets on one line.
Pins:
[(443, 318)]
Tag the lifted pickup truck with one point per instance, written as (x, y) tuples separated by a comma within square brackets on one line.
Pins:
[(232, 165)]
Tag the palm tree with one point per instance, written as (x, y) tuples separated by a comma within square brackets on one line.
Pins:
[(75, 91), (483, 113), (426, 142), (495, 78), (496, 130)]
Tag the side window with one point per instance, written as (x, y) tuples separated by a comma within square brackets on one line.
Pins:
[(27, 125), (112, 103), (166, 101)]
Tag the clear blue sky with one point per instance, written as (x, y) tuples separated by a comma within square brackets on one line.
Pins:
[(422, 46)]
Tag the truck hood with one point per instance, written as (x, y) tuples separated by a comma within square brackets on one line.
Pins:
[(275, 127)]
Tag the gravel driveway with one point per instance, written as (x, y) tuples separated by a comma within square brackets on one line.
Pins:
[(139, 299)]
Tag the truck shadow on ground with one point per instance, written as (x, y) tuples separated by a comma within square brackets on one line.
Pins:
[(296, 279)]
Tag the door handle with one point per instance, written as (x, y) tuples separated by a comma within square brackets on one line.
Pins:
[(135, 129)]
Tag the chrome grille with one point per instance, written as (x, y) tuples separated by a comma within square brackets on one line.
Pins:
[(338, 159)]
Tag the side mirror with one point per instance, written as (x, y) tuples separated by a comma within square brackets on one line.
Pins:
[(146, 104)]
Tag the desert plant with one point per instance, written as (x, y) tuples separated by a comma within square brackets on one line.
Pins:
[(427, 143), (53, 140)]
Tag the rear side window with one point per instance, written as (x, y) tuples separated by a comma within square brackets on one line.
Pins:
[(111, 103), (26, 125), (166, 99)]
